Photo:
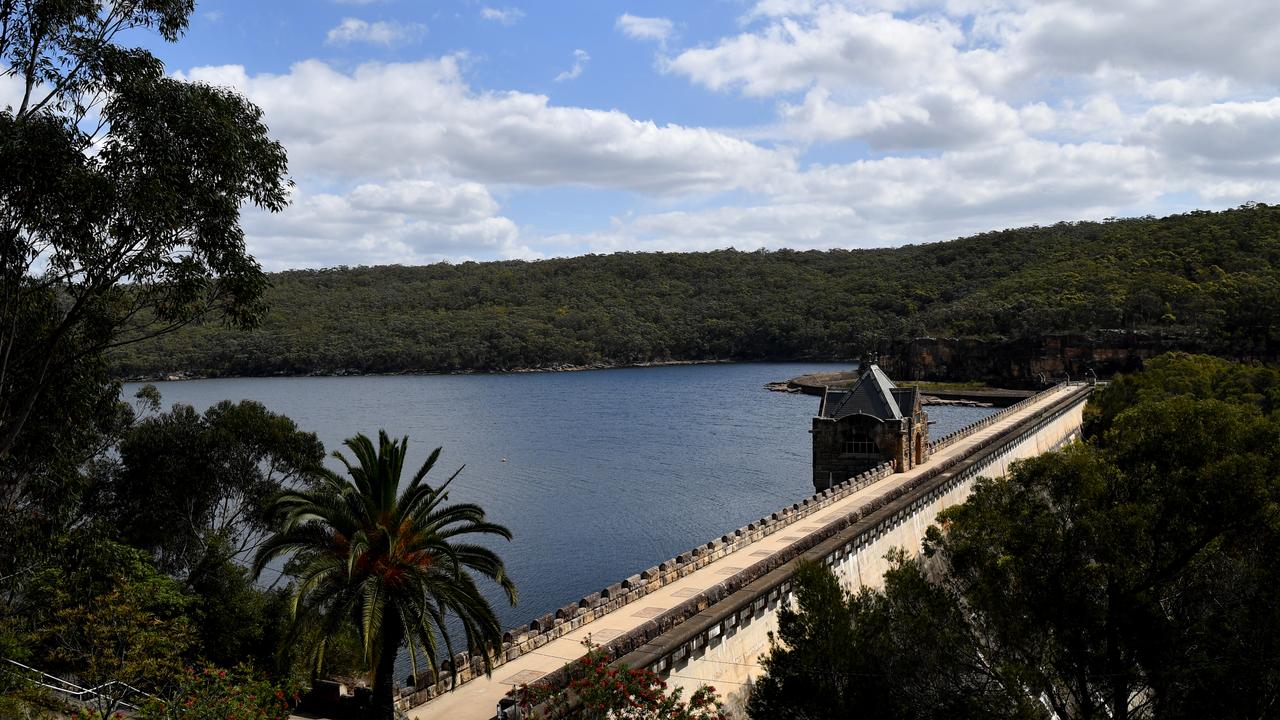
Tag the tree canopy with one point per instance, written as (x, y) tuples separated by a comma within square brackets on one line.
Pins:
[(195, 489), (121, 195), (391, 562), (1201, 280), (1130, 576), (120, 199)]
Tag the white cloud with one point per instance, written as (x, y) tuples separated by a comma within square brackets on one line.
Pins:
[(504, 16), (451, 202), (1026, 179), (1194, 50), (405, 222), (11, 90), (355, 30), (580, 60), (932, 118), (394, 161), (835, 47), (1238, 140), (988, 113), (780, 8), (797, 225), (645, 28), (1209, 39), (419, 119), (897, 200), (949, 116)]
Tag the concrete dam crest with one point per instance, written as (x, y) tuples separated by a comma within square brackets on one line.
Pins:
[(704, 617)]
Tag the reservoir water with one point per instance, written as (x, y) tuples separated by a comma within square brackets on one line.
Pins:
[(598, 474)]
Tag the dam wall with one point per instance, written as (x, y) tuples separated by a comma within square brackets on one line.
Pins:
[(722, 645), (704, 615)]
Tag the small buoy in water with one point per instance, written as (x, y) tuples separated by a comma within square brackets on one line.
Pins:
[(504, 459)]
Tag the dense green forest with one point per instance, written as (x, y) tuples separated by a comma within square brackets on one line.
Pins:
[(125, 527), (1207, 279)]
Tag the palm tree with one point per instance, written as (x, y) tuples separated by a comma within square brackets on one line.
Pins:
[(392, 564)]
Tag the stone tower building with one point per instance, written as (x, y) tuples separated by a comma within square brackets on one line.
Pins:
[(872, 422)]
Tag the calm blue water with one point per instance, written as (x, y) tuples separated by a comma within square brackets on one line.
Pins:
[(607, 472)]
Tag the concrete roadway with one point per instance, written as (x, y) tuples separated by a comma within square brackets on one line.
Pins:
[(477, 699)]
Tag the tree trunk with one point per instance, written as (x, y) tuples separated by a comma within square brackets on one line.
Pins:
[(384, 674), (1117, 669)]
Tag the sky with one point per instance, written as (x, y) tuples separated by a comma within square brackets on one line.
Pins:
[(421, 131)]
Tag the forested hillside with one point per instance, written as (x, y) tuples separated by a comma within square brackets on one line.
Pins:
[(1209, 277)]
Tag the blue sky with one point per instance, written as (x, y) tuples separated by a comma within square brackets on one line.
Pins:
[(456, 129), (526, 52)]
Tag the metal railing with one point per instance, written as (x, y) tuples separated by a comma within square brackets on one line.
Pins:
[(69, 689)]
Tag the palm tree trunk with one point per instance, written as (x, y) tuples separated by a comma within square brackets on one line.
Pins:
[(384, 674)]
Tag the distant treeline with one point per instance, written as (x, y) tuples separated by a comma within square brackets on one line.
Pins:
[(1208, 277)]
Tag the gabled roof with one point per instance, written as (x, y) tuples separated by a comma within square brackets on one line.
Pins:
[(906, 398), (874, 394)]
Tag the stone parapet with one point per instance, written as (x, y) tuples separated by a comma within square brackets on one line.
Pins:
[(524, 639), (986, 422), (867, 522), (748, 593)]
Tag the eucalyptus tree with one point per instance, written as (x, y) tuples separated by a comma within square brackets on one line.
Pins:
[(120, 197), (233, 461), (395, 563)]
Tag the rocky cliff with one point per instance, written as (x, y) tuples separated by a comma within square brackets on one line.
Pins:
[(1022, 362)]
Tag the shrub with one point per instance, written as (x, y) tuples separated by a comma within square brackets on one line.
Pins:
[(601, 691), (212, 693)]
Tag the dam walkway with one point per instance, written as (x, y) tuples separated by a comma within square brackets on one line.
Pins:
[(704, 617)]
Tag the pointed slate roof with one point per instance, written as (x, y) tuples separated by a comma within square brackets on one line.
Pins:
[(874, 394), (906, 398)]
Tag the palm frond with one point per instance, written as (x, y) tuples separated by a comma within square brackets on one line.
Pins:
[(368, 554)]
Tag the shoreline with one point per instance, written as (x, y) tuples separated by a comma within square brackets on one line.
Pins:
[(991, 397), (181, 375)]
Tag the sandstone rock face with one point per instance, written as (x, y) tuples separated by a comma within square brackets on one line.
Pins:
[(1024, 363)]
